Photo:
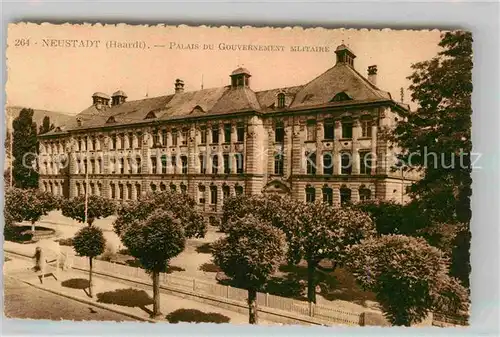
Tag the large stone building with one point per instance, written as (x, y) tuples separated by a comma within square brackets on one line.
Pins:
[(317, 141)]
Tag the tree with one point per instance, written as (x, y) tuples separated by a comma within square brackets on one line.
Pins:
[(46, 125), (89, 241), (436, 139), (410, 277), (24, 150), (250, 254), (394, 218), (29, 204), (313, 231), (317, 231), (154, 242), (97, 207), (182, 206)]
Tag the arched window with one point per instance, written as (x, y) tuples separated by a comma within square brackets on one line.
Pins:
[(364, 193), (310, 194), (345, 195), (281, 100), (153, 188), (113, 191), (138, 190), (201, 194), (311, 163), (327, 195), (78, 189), (163, 187), (173, 188), (225, 192), (238, 190), (183, 188)]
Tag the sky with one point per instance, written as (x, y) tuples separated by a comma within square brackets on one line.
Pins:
[(42, 74)]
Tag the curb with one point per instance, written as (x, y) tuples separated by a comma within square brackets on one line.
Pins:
[(89, 302)]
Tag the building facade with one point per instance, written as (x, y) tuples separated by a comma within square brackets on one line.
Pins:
[(317, 141)]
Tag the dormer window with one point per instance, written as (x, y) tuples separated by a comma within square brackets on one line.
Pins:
[(150, 115), (281, 100), (111, 119), (197, 109), (307, 97), (341, 96), (240, 78), (79, 121)]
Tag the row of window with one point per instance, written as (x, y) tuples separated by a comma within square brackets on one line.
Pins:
[(328, 130), (135, 165), (160, 138), (365, 163), (345, 194)]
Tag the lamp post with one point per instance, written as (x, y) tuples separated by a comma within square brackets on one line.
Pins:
[(86, 177)]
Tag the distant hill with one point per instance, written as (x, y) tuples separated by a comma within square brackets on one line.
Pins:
[(56, 118)]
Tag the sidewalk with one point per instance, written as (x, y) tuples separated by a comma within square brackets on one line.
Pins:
[(124, 299)]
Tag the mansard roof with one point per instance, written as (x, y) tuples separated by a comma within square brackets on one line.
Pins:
[(318, 93)]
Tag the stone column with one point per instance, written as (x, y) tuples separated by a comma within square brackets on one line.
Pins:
[(356, 134), (374, 149), (320, 135), (297, 140), (287, 148), (354, 193), (220, 199)]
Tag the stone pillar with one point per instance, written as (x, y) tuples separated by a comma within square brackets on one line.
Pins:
[(354, 193), (220, 199), (336, 196), (297, 141), (374, 149), (320, 135), (287, 148), (356, 134), (134, 191)]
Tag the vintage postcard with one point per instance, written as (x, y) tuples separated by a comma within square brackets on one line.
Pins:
[(238, 175)]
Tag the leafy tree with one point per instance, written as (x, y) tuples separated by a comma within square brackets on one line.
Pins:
[(410, 277), (154, 242), (250, 254), (97, 207), (314, 231), (394, 218), (46, 125), (89, 241), (24, 150), (317, 231), (182, 206), (437, 138), (29, 204)]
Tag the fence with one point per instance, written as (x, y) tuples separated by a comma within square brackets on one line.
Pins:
[(330, 314)]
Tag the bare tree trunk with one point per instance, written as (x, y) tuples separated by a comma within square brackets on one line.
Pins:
[(32, 227), (156, 295), (91, 286), (311, 286), (252, 306)]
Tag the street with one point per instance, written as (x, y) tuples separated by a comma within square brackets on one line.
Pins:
[(23, 301)]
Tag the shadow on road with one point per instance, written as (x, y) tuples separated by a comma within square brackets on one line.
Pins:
[(127, 297), (196, 316)]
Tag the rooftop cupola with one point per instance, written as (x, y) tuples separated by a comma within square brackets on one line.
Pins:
[(100, 100), (345, 55), (179, 86), (240, 78), (118, 98)]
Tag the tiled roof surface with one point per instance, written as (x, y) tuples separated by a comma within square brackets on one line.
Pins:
[(340, 78), (225, 100)]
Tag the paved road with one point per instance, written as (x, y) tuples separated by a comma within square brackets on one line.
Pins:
[(24, 301)]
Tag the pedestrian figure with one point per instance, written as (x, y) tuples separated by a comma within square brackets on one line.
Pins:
[(38, 259)]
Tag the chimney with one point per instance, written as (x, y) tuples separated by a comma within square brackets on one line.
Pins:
[(179, 86), (372, 74)]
